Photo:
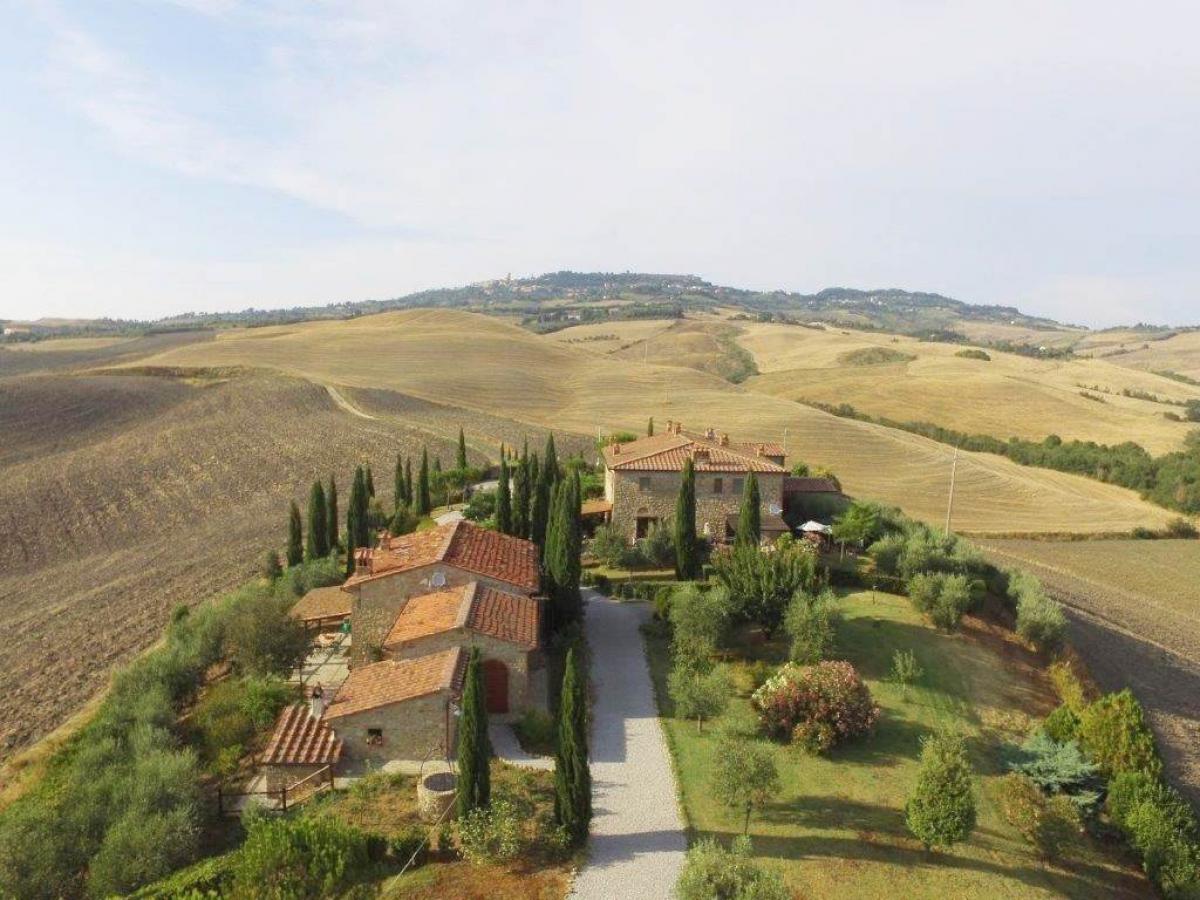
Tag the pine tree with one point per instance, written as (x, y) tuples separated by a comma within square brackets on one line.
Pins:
[(317, 545), (331, 513), (504, 518), (295, 545), (398, 498), (424, 501), (941, 809), (370, 482), (460, 461), (572, 777), (749, 527), (650, 427), (474, 750), (687, 554)]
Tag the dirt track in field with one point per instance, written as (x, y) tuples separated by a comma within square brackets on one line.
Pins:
[(1130, 641)]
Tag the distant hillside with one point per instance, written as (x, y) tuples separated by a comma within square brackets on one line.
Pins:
[(557, 299)]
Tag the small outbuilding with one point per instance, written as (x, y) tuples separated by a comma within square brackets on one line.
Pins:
[(323, 608), (300, 746)]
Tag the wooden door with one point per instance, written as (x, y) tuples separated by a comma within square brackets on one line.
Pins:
[(495, 682)]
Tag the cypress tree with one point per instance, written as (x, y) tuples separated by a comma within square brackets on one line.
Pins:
[(504, 519), (539, 513), (687, 557), (363, 535), (398, 498), (572, 778), (650, 427), (474, 750), (331, 513), (295, 545), (370, 482), (550, 462), (436, 480), (460, 462), (409, 495), (318, 544), (564, 543), (520, 514), (356, 524), (424, 503), (749, 527)]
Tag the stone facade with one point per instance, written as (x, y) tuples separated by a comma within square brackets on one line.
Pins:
[(639, 494), (520, 662), (284, 776), (408, 730), (378, 601)]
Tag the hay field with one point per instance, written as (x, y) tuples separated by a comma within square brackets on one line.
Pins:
[(481, 364), (1180, 353), (1135, 618), (1009, 396)]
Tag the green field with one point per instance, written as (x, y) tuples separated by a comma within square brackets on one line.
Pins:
[(837, 827)]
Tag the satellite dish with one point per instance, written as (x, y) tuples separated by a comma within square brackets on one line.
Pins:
[(438, 580), (775, 509)]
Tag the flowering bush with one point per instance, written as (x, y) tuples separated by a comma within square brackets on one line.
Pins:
[(816, 706)]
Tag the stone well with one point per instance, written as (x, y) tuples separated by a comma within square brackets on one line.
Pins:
[(435, 795)]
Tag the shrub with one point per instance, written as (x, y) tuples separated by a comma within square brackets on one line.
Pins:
[(490, 833), (699, 695), (906, 670), (1050, 825), (943, 598), (1059, 769), (536, 729), (1114, 733), (762, 584), (711, 871), (403, 846), (1069, 686), (1170, 856), (811, 623), (303, 857), (941, 809), (1062, 724), (829, 693), (405, 520), (481, 506), (1040, 619), (658, 546), (263, 638), (609, 546), (142, 846), (699, 619)]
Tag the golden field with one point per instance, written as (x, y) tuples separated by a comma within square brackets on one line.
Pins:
[(489, 366)]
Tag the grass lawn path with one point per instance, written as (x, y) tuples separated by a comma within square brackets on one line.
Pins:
[(637, 842)]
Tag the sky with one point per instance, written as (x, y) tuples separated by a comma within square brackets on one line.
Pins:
[(161, 157)]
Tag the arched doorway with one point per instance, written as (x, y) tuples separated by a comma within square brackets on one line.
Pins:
[(495, 683)]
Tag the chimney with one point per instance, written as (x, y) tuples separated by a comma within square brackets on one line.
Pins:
[(616, 448), (316, 702), (724, 440), (760, 449), (362, 561), (710, 434)]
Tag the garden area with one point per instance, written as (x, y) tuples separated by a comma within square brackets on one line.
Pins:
[(835, 822)]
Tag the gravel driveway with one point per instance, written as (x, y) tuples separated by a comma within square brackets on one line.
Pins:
[(637, 842)]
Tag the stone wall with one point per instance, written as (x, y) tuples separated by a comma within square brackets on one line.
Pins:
[(378, 602), (409, 729), (280, 777), (630, 501), (516, 658)]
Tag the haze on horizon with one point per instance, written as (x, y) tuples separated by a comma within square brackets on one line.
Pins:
[(206, 155)]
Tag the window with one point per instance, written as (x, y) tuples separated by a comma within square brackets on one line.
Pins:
[(644, 483), (642, 526), (374, 737), (718, 485), (738, 485)]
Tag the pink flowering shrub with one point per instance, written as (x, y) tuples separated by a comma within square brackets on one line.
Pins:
[(817, 707)]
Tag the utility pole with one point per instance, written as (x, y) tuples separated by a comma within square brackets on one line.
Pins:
[(950, 503)]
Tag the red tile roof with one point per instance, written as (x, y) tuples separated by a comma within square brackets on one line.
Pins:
[(515, 618), (300, 739), (463, 544), (394, 681), (669, 452), (322, 603)]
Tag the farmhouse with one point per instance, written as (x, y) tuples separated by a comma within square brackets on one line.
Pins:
[(418, 604), (642, 479)]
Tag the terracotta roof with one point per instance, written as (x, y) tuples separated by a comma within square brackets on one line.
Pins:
[(322, 603), (463, 544), (394, 681), (594, 507), (793, 485), (669, 452), (300, 739), (515, 618)]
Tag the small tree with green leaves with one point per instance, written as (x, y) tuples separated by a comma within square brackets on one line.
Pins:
[(572, 777), (761, 585), (474, 748), (941, 809), (711, 872), (699, 695), (650, 427), (749, 526), (295, 544), (744, 775), (318, 544), (272, 568), (687, 552)]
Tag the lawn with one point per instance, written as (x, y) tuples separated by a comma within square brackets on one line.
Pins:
[(837, 825)]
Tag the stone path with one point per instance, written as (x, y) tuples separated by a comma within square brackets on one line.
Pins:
[(507, 748), (637, 843)]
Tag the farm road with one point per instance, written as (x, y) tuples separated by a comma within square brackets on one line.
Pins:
[(1131, 642)]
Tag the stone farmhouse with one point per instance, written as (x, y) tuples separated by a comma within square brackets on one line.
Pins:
[(418, 603), (642, 479)]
